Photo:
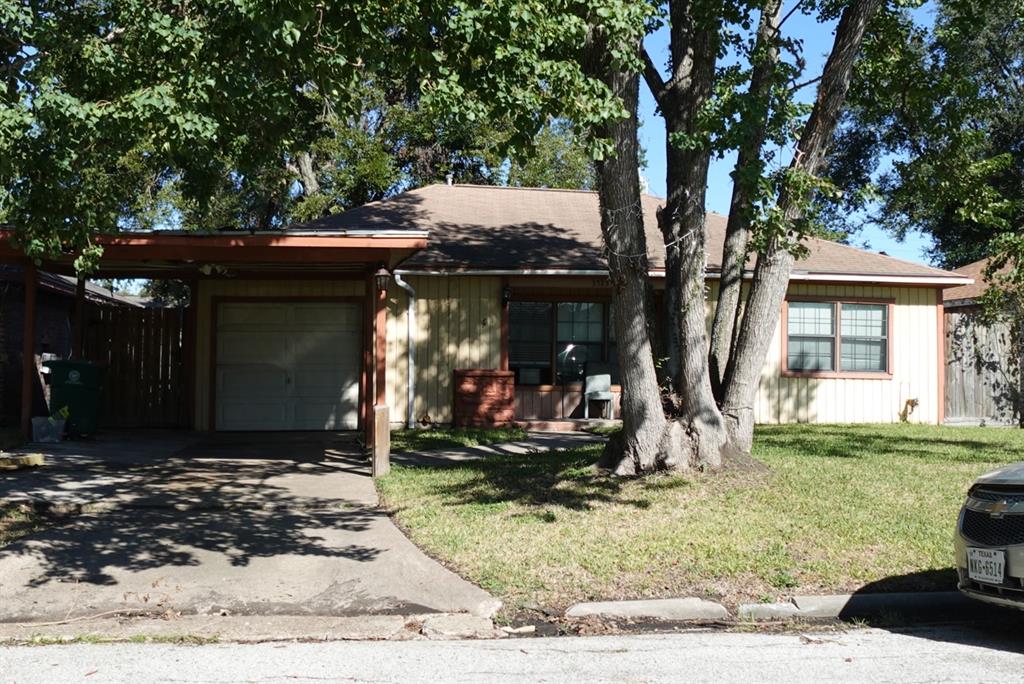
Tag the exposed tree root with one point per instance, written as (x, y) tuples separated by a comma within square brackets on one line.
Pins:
[(679, 450)]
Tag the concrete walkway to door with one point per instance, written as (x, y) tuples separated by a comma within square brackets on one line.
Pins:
[(246, 524)]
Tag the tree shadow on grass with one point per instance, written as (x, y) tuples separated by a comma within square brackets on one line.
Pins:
[(859, 441), (559, 479)]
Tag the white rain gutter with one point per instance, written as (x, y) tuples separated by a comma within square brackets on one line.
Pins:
[(410, 319), (947, 281)]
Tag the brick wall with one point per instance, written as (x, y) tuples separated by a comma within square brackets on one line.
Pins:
[(53, 335)]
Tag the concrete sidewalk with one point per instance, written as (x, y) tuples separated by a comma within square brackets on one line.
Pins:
[(536, 443), (250, 525)]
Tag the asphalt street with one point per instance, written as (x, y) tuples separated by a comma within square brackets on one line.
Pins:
[(938, 654)]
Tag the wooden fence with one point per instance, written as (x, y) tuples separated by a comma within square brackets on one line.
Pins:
[(981, 381), (143, 351)]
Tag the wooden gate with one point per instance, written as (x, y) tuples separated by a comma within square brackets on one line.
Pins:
[(143, 351), (981, 381)]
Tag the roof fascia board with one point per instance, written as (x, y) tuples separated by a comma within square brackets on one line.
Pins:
[(943, 281)]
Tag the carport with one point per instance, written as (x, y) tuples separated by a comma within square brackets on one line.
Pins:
[(285, 330)]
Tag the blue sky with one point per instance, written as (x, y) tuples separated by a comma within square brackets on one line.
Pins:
[(817, 40)]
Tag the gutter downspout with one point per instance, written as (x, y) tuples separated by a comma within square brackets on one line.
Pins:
[(410, 319)]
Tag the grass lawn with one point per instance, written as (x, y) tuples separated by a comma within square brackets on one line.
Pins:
[(842, 508), (422, 440), (17, 521)]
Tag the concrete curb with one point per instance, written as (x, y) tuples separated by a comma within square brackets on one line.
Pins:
[(865, 606), (254, 629), (676, 609)]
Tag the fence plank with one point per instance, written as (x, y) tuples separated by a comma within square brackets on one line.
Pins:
[(143, 352)]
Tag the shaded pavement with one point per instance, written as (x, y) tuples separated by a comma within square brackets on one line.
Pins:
[(247, 524)]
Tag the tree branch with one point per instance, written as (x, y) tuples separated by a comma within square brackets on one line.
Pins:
[(652, 76)]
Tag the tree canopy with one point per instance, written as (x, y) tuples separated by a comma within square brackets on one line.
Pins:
[(934, 138), (107, 104)]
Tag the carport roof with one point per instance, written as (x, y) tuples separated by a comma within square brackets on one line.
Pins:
[(176, 253)]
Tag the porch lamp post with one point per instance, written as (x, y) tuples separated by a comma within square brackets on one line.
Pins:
[(381, 420)]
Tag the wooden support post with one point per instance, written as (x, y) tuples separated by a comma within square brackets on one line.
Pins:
[(366, 377), (78, 323), (381, 419), (28, 350), (190, 336)]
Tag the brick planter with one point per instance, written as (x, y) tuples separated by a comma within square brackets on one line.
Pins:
[(484, 398)]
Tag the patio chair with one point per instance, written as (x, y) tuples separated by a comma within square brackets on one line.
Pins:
[(597, 388)]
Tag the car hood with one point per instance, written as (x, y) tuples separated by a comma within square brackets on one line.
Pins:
[(1012, 474)]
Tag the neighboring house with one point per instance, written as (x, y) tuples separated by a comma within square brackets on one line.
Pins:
[(289, 327), (982, 385), (55, 308)]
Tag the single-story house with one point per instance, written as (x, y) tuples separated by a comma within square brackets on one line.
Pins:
[(364, 317), (983, 386)]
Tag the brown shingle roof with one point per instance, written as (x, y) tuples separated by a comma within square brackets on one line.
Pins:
[(976, 271), (484, 227)]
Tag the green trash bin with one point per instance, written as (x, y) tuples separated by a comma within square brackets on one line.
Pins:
[(77, 386)]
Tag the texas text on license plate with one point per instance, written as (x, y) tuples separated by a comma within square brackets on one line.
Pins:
[(986, 565)]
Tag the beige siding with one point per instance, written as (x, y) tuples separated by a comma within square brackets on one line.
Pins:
[(249, 288), (915, 361), (458, 325)]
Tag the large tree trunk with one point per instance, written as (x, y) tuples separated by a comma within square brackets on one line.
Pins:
[(771, 275), (694, 49), (648, 441), (745, 177)]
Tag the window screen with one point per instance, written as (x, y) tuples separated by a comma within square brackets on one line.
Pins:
[(865, 331), (580, 338), (811, 336), (529, 342)]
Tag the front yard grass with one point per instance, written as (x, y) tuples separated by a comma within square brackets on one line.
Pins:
[(842, 508), (425, 440)]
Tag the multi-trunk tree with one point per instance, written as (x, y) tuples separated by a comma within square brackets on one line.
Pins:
[(710, 420)]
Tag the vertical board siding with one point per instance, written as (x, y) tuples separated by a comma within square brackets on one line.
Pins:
[(851, 400), (142, 352), (271, 289), (981, 382), (458, 325)]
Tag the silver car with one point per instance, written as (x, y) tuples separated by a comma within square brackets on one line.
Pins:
[(990, 538)]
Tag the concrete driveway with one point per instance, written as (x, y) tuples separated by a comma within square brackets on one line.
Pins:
[(256, 524)]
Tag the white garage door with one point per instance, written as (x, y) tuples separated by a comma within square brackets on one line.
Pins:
[(288, 366)]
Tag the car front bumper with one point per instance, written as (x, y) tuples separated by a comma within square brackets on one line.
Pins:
[(1010, 592)]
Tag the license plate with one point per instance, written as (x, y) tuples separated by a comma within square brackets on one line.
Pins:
[(986, 565)]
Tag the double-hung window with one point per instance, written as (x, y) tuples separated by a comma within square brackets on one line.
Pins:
[(837, 338)]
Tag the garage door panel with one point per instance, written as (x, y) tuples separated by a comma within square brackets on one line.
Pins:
[(237, 414), (254, 381), (320, 347), (325, 317), (238, 347), (325, 381), (254, 316), (288, 366), (325, 415)]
